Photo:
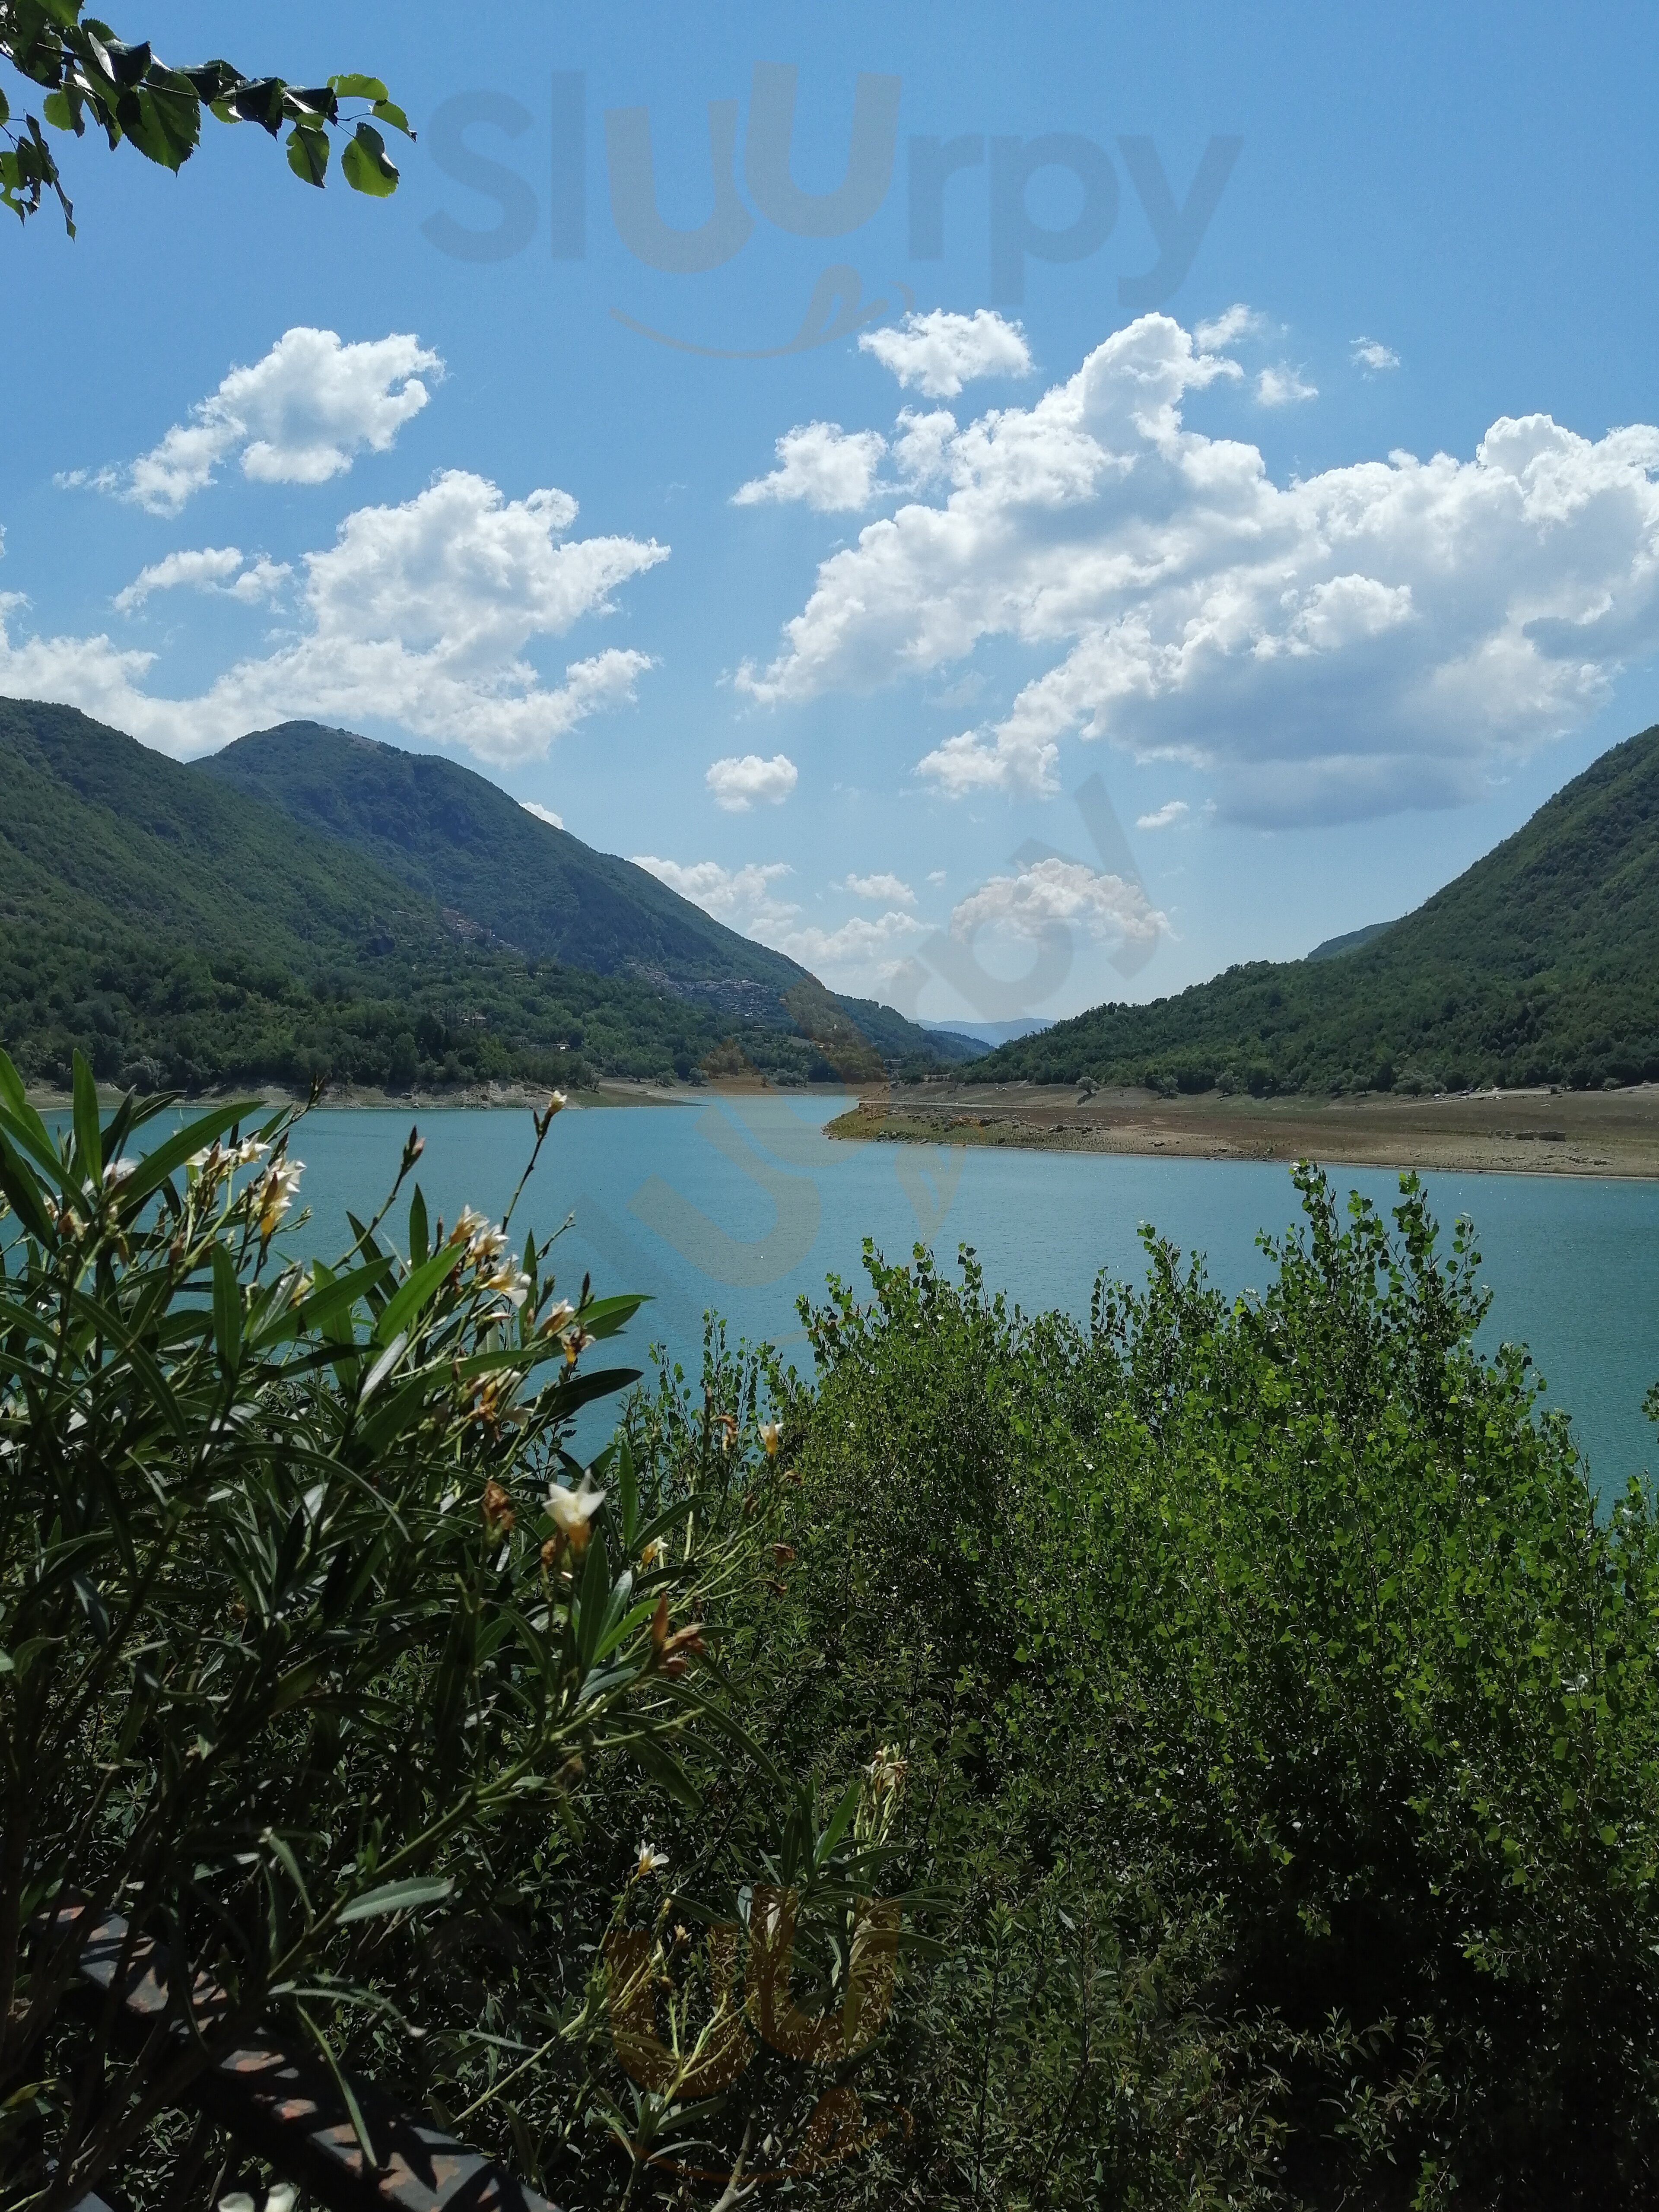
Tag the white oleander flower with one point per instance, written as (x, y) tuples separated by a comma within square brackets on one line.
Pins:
[(275, 1191), (511, 1281), (486, 1245), (570, 1512)]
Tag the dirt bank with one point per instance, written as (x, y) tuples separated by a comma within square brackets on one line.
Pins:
[(1601, 1133)]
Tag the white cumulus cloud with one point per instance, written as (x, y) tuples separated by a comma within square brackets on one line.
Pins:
[(745, 898), (864, 950), (939, 352), (1371, 354), (922, 446), (543, 813), (1226, 329), (419, 615), (738, 783), (879, 887), (830, 469), (206, 568), (1284, 386), (299, 416), (1164, 817), (1057, 892), (861, 954), (1382, 635)]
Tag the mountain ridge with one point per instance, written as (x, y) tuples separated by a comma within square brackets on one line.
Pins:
[(178, 928), (461, 841), (1538, 964)]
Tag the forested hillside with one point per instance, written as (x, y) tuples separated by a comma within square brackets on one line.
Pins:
[(181, 930), (1539, 964), (462, 843)]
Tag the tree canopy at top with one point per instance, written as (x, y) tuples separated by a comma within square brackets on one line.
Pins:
[(86, 70)]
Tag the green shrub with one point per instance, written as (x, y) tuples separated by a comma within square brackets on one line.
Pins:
[(1277, 1708)]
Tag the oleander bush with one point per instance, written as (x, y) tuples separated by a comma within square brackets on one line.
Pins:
[(324, 1668)]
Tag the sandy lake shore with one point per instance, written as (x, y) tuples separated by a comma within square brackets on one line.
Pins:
[(1600, 1132)]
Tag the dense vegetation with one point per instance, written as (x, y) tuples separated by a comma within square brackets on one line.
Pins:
[(1244, 1709), (1541, 965), (1279, 1712), (179, 932)]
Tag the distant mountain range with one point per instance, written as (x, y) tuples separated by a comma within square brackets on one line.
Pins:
[(987, 1034), (1539, 964), (309, 904)]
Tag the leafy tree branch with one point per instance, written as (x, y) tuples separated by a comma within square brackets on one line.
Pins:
[(86, 73)]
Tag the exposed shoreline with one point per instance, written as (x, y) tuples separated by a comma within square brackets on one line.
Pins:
[(1540, 1133)]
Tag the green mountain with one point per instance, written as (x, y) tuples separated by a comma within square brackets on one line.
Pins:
[(460, 840), (1540, 964), (462, 843), (179, 928)]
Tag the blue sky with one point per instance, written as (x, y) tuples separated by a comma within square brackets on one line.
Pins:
[(833, 633)]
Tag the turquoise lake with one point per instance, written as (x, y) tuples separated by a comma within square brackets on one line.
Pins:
[(742, 1204)]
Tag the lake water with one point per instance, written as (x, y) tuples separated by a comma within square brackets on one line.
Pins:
[(742, 1204)]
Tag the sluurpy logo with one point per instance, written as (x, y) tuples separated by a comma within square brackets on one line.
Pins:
[(464, 134), (953, 955), (701, 2063), (783, 1158)]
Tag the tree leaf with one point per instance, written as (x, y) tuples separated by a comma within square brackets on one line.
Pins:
[(88, 1137), (383, 1367), (226, 1311), (666, 1772), (31, 1130), (359, 2126), (259, 100), (365, 165), (23, 1189), (333, 1298), (398, 1897), (307, 153)]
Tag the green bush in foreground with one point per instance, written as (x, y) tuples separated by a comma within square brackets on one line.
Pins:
[(1246, 1700), (1281, 1712)]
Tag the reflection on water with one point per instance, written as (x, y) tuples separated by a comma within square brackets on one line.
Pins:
[(742, 1204)]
